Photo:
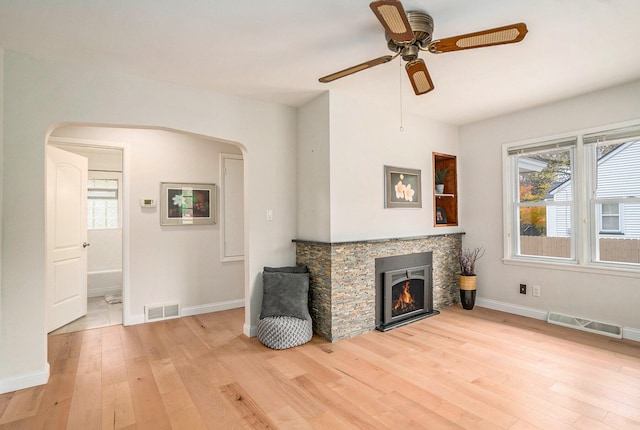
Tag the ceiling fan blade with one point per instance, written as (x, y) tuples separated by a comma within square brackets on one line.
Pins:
[(419, 76), (354, 69), (391, 15), (495, 36)]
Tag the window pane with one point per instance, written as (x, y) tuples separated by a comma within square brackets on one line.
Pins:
[(625, 247), (610, 209), (610, 223), (545, 176), (618, 180), (102, 203), (545, 231), (618, 172)]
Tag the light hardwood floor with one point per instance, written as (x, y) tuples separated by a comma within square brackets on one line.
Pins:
[(99, 314), (478, 369)]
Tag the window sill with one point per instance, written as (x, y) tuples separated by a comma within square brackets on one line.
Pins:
[(603, 269)]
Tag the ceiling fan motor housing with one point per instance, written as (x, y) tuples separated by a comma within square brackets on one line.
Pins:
[(422, 27)]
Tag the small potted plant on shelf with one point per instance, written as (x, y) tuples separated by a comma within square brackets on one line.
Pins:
[(439, 176), (467, 259)]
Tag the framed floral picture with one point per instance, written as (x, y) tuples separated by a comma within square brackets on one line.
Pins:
[(402, 188), (187, 204)]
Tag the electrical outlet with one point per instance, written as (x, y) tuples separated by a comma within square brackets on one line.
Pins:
[(523, 288), (536, 291)]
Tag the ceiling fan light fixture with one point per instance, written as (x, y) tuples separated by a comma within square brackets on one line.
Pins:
[(409, 33)]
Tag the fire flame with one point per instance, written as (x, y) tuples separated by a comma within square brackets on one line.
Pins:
[(405, 302)]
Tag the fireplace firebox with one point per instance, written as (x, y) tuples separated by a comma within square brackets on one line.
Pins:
[(404, 291)]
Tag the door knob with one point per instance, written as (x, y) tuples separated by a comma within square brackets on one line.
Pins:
[(85, 244)]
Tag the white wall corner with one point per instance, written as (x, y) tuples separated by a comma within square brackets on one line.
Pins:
[(25, 380)]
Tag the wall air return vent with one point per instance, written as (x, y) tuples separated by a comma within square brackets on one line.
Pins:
[(599, 327), (161, 312)]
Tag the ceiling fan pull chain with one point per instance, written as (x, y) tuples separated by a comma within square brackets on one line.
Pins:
[(401, 126)]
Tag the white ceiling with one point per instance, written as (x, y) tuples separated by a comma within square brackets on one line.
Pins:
[(276, 50)]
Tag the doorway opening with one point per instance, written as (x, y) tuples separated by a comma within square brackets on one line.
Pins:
[(200, 267)]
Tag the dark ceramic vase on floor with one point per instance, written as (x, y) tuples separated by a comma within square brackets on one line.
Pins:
[(468, 299), (468, 291)]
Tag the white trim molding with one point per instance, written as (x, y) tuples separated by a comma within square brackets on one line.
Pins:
[(25, 380), (524, 311), (539, 314), (187, 311)]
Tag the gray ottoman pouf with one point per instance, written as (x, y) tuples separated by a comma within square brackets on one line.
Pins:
[(284, 332), (285, 321)]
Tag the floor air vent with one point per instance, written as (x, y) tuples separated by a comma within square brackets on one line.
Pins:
[(598, 327), (161, 312)]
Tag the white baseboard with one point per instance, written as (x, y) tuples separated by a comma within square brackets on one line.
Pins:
[(249, 330), (188, 311), (26, 380), (104, 291), (512, 309), (539, 314), (631, 333)]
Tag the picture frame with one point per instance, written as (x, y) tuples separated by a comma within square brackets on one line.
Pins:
[(187, 203), (441, 215), (403, 187)]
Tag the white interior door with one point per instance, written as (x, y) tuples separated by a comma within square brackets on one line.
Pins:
[(66, 253)]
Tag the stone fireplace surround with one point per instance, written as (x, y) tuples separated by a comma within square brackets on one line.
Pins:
[(342, 289)]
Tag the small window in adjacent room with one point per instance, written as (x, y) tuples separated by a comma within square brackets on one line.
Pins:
[(102, 204)]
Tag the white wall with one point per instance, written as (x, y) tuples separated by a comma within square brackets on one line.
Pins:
[(603, 296), (314, 199), (38, 95), (365, 138), (1, 176), (344, 145)]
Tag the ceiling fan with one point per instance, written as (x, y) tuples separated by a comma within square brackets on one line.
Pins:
[(409, 33)]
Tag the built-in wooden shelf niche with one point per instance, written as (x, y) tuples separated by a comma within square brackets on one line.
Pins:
[(446, 203)]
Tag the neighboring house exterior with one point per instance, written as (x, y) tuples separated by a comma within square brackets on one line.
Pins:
[(616, 178)]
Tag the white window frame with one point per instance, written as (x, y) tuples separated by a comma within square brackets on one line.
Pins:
[(586, 217), (512, 203), (619, 216)]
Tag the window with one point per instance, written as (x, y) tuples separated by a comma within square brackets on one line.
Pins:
[(614, 160), (102, 203), (542, 199), (610, 218), (575, 200)]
